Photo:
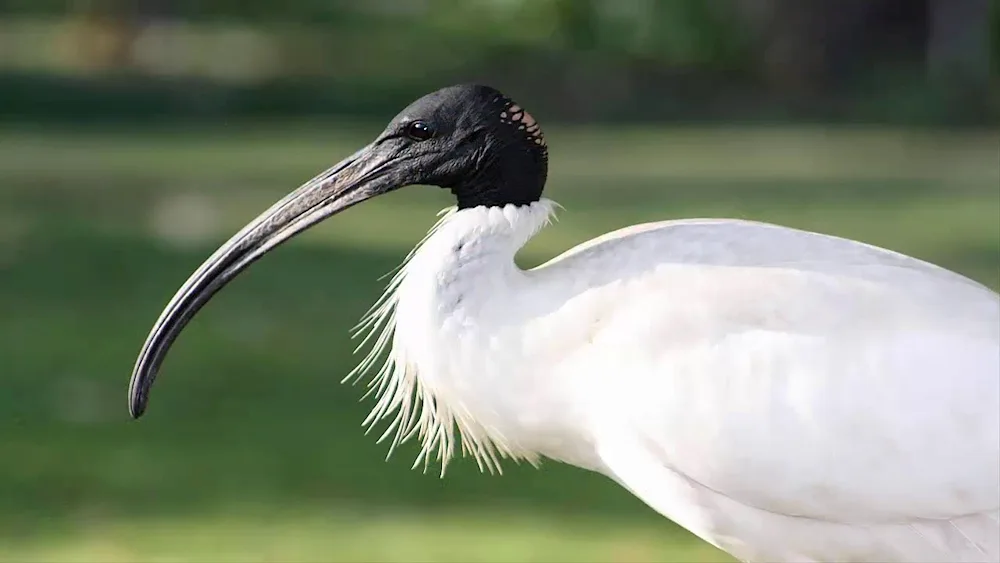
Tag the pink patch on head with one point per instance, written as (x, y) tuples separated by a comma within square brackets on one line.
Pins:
[(525, 122), (528, 120)]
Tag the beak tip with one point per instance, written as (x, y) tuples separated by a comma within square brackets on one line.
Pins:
[(136, 409), (137, 402)]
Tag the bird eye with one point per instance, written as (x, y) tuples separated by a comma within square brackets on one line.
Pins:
[(419, 131)]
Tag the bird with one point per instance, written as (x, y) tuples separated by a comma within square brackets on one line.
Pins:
[(782, 394)]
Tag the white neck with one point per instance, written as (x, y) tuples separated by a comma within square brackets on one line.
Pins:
[(443, 306)]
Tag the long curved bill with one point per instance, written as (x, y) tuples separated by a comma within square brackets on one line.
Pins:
[(355, 179)]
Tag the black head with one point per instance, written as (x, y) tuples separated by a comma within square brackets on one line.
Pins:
[(474, 141), (470, 139)]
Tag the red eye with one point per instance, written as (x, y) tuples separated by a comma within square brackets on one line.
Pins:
[(419, 131)]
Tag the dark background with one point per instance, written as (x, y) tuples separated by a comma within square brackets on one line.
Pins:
[(898, 61)]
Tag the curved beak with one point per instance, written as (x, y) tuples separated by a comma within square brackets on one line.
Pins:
[(361, 176)]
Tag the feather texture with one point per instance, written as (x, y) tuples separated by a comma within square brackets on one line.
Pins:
[(785, 395)]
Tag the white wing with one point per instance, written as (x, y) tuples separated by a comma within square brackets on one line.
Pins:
[(803, 397)]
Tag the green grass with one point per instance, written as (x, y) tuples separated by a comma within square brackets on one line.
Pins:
[(401, 535), (251, 449)]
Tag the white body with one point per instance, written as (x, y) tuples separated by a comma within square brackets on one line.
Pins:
[(784, 395)]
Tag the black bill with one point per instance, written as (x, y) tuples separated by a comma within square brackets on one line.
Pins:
[(369, 172)]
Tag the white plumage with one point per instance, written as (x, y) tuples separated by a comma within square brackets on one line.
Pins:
[(784, 395)]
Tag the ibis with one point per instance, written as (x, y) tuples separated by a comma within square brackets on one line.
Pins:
[(784, 395)]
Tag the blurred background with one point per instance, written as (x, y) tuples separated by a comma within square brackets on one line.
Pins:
[(137, 135)]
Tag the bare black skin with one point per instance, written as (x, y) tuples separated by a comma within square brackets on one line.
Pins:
[(470, 139)]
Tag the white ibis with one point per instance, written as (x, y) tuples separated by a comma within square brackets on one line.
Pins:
[(782, 394)]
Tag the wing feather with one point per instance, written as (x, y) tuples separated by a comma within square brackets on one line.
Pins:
[(793, 383)]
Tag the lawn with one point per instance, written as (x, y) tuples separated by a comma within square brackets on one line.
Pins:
[(252, 450)]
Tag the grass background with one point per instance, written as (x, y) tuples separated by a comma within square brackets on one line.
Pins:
[(252, 450)]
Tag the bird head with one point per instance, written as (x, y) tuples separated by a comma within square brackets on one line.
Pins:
[(470, 139)]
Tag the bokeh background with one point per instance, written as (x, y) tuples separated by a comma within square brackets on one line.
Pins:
[(136, 135)]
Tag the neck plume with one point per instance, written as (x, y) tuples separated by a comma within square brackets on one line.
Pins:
[(410, 399)]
